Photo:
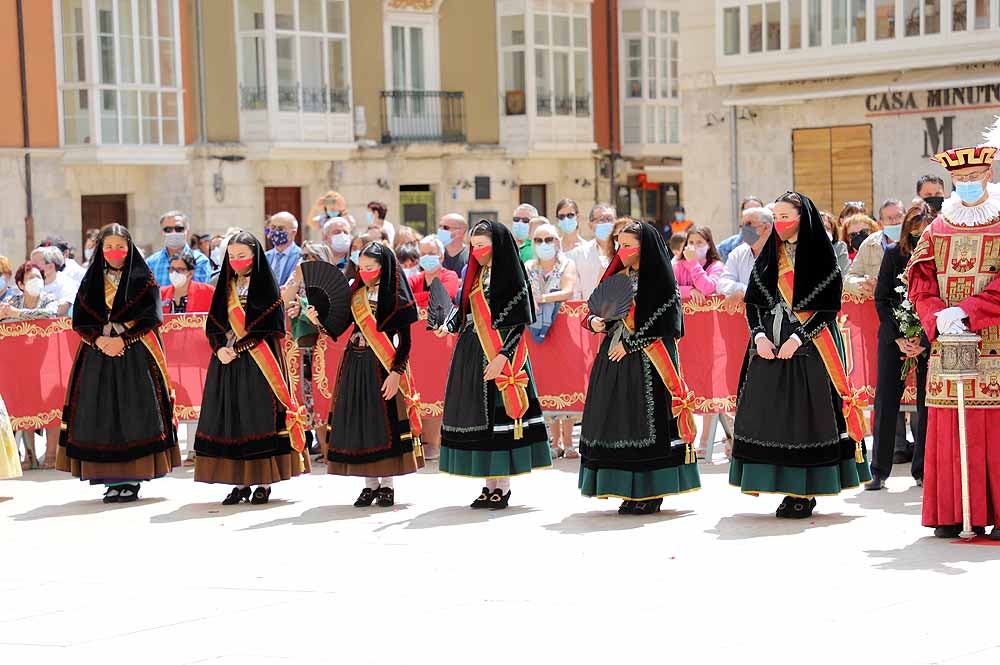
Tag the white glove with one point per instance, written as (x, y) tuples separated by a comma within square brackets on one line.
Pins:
[(949, 320)]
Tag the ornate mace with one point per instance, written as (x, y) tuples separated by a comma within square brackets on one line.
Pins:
[(960, 361)]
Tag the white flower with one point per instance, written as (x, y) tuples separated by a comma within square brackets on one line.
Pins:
[(900, 289), (907, 305)]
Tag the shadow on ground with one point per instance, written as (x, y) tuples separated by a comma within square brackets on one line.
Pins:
[(78, 508), (936, 555), (325, 514), (200, 511), (597, 521), (751, 525), (456, 516)]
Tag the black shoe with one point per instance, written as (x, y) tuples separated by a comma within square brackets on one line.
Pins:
[(366, 498), (627, 508), (919, 482), (483, 501), (236, 496), (902, 457), (129, 493), (995, 533), (647, 507), (111, 494), (950, 531), (260, 495), (876, 484), (795, 508), (499, 500), (385, 497)]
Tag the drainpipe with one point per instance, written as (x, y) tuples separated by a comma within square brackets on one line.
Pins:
[(29, 219), (199, 28), (612, 48), (734, 165)]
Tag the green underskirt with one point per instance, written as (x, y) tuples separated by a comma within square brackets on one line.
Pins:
[(798, 481), (495, 464), (639, 485)]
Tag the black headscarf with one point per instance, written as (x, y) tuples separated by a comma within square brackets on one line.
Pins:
[(658, 308), (396, 307), (511, 302), (818, 283), (138, 296), (265, 314)]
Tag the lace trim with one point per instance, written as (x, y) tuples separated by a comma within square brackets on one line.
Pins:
[(819, 287), (987, 212), (657, 314), (763, 289), (635, 443), (781, 444), (518, 297)]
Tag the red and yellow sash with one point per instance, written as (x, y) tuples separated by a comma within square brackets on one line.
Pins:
[(681, 397), (296, 416), (513, 380), (382, 346), (854, 402)]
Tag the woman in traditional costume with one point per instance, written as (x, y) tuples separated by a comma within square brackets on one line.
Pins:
[(10, 458), (633, 447), (375, 417), (799, 427), (492, 424), (251, 430), (118, 424)]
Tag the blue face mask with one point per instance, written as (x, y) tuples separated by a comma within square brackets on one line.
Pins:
[(568, 224), (520, 230), (969, 192), (370, 216), (545, 251), (603, 230), (279, 237), (749, 235), (333, 213), (430, 262), (355, 256), (3, 283), (444, 235), (679, 216), (893, 233)]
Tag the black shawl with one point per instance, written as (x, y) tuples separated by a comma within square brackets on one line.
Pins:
[(511, 302), (137, 299), (818, 283), (265, 314), (658, 310), (396, 307)]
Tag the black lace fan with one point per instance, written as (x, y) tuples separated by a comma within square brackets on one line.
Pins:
[(328, 291), (612, 299), (438, 305)]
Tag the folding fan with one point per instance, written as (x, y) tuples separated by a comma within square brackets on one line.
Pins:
[(612, 299), (328, 291), (438, 305)]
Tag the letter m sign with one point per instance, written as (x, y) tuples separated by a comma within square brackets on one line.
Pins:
[(938, 138)]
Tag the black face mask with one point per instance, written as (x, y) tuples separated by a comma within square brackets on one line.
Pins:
[(914, 239), (934, 203), (858, 237)]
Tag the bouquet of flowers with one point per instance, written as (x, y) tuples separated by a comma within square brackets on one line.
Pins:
[(909, 326)]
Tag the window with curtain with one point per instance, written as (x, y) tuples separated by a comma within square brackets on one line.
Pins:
[(311, 51), (136, 82), (650, 43)]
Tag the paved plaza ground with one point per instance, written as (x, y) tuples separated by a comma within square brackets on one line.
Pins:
[(177, 578)]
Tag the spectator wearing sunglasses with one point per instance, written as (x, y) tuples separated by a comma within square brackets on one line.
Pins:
[(521, 228), (567, 218), (175, 230)]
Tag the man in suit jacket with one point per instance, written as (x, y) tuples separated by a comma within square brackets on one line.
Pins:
[(284, 256)]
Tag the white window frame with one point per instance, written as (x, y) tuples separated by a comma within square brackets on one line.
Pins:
[(534, 10), (270, 32), (96, 89), (651, 105)]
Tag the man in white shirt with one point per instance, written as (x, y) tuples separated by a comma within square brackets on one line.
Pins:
[(71, 268), (50, 262), (756, 227), (592, 257), (375, 217)]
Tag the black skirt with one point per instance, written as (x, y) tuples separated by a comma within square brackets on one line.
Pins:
[(241, 419), (364, 427), (474, 417), (627, 420), (117, 408)]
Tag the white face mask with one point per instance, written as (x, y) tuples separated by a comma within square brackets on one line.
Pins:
[(217, 255), (178, 279), (33, 287), (410, 272), (88, 253), (340, 242)]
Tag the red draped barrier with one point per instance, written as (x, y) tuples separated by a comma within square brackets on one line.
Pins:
[(36, 356)]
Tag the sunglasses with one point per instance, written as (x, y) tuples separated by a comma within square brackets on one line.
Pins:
[(523, 220), (173, 229), (548, 241), (571, 215)]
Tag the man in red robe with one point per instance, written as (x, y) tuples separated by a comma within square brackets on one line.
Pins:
[(954, 287)]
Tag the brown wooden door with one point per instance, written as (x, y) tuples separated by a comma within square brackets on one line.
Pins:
[(284, 199), (98, 211), (833, 165), (535, 195)]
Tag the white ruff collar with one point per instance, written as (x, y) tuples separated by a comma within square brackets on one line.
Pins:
[(985, 213)]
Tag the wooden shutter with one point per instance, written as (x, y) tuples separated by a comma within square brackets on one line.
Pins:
[(812, 170), (833, 165)]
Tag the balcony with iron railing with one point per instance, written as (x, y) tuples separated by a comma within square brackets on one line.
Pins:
[(423, 116)]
